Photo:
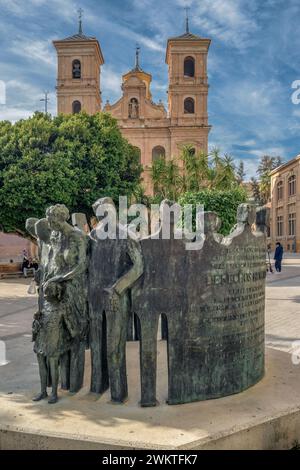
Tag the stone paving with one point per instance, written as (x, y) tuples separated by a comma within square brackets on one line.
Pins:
[(283, 306)]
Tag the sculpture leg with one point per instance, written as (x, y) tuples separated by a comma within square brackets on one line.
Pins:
[(164, 328), (180, 370), (137, 328), (148, 361), (43, 371), (77, 361), (130, 323), (117, 322), (65, 371), (49, 373), (130, 328), (54, 362), (99, 375)]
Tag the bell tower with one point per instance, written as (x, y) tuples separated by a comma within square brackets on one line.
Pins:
[(78, 73), (186, 58)]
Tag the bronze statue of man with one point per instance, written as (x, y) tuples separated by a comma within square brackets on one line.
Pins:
[(114, 266), (62, 317)]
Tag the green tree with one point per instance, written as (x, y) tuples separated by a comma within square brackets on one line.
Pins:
[(195, 169), (224, 203), (192, 172), (240, 173), (225, 174), (255, 190), (200, 178), (67, 159), (166, 179), (266, 165)]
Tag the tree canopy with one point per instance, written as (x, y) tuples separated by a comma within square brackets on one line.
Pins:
[(200, 178), (223, 202), (71, 160), (193, 172), (261, 188)]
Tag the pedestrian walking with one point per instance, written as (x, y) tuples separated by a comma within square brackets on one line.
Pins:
[(278, 256)]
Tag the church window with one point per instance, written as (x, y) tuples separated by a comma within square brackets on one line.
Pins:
[(292, 224), (133, 108), (189, 67), (76, 69), (292, 185), (158, 152), (189, 106), (280, 226), (76, 107), (280, 190), (192, 151)]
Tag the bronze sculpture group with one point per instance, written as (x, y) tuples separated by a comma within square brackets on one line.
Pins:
[(210, 300)]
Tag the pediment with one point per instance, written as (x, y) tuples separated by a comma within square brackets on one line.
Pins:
[(134, 81)]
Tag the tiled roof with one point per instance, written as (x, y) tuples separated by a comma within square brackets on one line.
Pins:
[(187, 36), (79, 37)]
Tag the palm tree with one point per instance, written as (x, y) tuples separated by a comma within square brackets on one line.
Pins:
[(255, 190), (195, 169), (266, 165), (166, 178), (225, 173), (240, 173)]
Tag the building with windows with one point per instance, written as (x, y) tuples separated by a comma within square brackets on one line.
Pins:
[(285, 205), (154, 130)]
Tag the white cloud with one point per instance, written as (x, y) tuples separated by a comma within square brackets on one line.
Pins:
[(111, 83), (271, 151), (228, 20), (17, 7), (27, 97), (120, 30), (250, 143), (158, 86), (35, 50), (21, 86), (14, 114)]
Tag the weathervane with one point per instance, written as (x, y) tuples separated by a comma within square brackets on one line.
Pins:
[(187, 19), (137, 57), (80, 13)]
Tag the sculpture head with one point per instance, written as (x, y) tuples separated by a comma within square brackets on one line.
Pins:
[(43, 230), (57, 216), (263, 217), (30, 226), (246, 214), (103, 206), (212, 222)]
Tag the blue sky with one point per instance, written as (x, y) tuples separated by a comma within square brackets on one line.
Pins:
[(254, 59)]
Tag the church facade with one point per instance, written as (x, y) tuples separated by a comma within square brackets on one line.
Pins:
[(155, 131)]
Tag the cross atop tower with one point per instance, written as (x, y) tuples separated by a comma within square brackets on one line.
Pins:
[(187, 28), (80, 14), (137, 57)]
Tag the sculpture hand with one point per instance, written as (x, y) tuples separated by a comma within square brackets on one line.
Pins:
[(54, 279), (113, 299)]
